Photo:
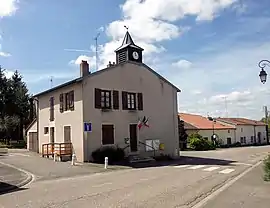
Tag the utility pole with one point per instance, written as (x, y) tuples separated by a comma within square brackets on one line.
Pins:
[(96, 39), (266, 121)]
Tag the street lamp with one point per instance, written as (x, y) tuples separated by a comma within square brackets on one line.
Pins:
[(263, 74)]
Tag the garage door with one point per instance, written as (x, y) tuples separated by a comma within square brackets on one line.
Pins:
[(33, 142)]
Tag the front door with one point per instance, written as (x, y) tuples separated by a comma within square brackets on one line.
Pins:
[(133, 137)]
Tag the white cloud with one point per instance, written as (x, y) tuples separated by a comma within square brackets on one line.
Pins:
[(8, 7), (8, 73), (158, 19), (182, 64), (4, 54)]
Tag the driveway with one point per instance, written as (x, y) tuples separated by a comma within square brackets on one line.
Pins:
[(47, 169)]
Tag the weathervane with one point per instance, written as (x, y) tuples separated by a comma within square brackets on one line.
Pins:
[(126, 27)]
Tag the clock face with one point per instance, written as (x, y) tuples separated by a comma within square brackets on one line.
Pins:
[(135, 55)]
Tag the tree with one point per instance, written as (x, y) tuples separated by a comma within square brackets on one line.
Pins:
[(15, 106), (182, 134)]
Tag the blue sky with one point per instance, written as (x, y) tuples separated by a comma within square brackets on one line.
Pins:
[(209, 49)]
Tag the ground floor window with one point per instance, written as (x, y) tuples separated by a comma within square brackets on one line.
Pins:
[(67, 134), (107, 134)]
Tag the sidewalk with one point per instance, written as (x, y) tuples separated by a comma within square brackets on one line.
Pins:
[(12, 178), (248, 192)]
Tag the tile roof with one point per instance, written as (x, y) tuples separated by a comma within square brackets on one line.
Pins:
[(201, 122), (242, 121)]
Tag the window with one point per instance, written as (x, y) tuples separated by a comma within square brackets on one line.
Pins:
[(107, 134), (229, 140), (229, 131), (241, 129), (251, 139), (206, 138), (51, 108), (242, 139), (152, 144), (103, 99), (46, 130), (68, 102), (131, 101), (245, 140)]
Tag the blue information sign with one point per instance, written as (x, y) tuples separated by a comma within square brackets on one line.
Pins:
[(87, 127)]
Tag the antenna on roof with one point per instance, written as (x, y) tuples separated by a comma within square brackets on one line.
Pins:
[(96, 39), (51, 81), (126, 27)]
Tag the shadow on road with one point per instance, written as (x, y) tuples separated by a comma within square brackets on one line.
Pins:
[(8, 188), (184, 160)]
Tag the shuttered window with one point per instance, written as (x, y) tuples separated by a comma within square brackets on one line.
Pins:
[(131, 101), (115, 100), (140, 101), (67, 134), (68, 102), (61, 100), (51, 108), (124, 100), (103, 99), (107, 134)]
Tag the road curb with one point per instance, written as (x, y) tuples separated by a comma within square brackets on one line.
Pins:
[(30, 178)]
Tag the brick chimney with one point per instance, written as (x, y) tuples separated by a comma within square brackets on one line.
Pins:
[(84, 69)]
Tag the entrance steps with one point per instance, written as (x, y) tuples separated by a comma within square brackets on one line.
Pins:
[(139, 159)]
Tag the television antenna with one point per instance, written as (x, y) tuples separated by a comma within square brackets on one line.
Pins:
[(96, 39), (51, 81)]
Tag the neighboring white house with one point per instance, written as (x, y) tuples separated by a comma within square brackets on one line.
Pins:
[(206, 128), (247, 131)]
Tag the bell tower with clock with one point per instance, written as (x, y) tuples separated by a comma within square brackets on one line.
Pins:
[(128, 51)]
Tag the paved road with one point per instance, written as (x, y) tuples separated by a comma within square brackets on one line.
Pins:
[(251, 191), (165, 186)]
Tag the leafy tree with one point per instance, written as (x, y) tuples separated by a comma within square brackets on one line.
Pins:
[(182, 134), (15, 106)]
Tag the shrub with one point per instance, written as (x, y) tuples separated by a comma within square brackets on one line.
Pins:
[(114, 154), (267, 169), (201, 144)]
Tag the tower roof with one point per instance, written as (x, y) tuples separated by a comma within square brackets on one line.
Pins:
[(128, 42)]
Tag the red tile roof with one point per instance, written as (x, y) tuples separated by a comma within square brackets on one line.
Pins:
[(242, 121), (201, 122)]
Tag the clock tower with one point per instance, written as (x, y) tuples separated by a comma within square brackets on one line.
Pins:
[(128, 51)]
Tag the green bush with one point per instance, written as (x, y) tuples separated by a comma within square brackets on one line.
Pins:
[(267, 169), (114, 154), (21, 144), (201, 144)]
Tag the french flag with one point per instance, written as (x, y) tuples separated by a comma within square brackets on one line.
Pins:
[(143, 122)]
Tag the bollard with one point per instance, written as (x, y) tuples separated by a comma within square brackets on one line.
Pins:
[(106, 163), (73, 159), (54, 156)]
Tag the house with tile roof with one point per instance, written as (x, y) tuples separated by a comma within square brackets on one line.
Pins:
[(207, 128), (247, 131), (103, 108)]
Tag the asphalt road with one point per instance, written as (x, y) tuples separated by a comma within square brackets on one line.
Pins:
[(165, 186)]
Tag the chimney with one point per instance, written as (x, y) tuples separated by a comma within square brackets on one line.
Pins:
[(84, 69)]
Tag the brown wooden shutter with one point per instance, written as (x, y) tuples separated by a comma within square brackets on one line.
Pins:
[(140, 101), (61, 99), (115, 99), (124, 100), (66, 106), (51, 109), (71, 100), (97, 98)]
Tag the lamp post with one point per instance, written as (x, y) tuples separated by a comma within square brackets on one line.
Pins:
[(263, 76)]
